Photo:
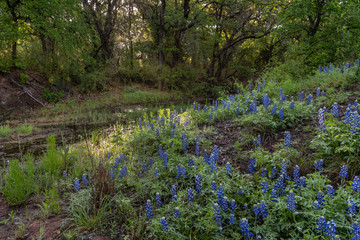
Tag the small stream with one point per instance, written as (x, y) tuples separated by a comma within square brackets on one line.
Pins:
[(70, 133)]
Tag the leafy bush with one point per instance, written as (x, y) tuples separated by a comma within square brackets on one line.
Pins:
[(19, 182), (51, 96), (51, 161), (24, 78)]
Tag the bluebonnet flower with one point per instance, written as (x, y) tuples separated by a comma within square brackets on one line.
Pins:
[(233, 206), (356, 105), (124, 171), (354, 122), (228, 106), (343, 172), (321, 223), (76, 184), (120, 173), (265, 186), (352, 207), (249, 85), (210, 116), (64, 174), (84, 180), (177, 213), (198, 183), (326, 70), (263, 209), (331, 229), (264, 172), (319, 166), (164, 225), (335, 110), (213, 186), (319, 69), (296, 173), (280, 91), (184, 142), (318, 92), (148, 209), (342, 69), (291, 201), (190, 195), (240, 191), (172, 133), (165, 159), (283, 169), (156, 172), (232, 219), (179, 171), (309, 99), (199, 107), (259, 87), (217, 214), (257, 141), (228, 168), (287, 139), (358, 61), (356, 184), (158, 200), (213, 163), (220, 194), (225, 204), (356, 231), (252, 165), (144, 166), (281, 114), (140, 121), (316, 205), (273, 173), (274, 109), (197, 146), (237, 111), (244, 227), (301, 96), (206, 157), (111, 174), (321, 118), (157, 132), (320, 198), (194, 106), (330, 192), (151, 162), (292, 104), (302, 182), (190, 162), (347, 65), (279, 185), (173, 193), (322, 93), (255, 101), (347, 115), (160, 151), (266, 101), (253, 108)]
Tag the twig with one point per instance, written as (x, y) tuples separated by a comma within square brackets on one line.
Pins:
[(27, 92)]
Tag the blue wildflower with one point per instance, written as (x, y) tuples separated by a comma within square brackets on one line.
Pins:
[(343, 172), (273, 173), (217, 214), (252, 164), (213, 186), (190, 162), (220, 194), (157, 132), (321, 223), (347, 116), (213, 163), (291, 201), (164, 226), (257, 141), (281, 114), (151, 161), (354, 122), (265, 186), (287, 139), (309, 99), (331, 229), (319, 166), (321, 117), (240, 191), (111, 174), (320, 198), (228, 168), (279, 185), (64, 174), (190, 195), (356, 231), (266, 101), (316, 205), (158, 200), (330, 192), (173, 193), (216, 153), (156, 172), (301, 96), (233, 206), (264, 172), (231, 219), (244, 227), (292, 104), (225, 204), (274, 109), (335, 110), (197, 146), (177, 213), (198, 183), (352, 207), (148, 209), (165, 160), (160, 151), (283, 169), (356, 184), (318, 92), (144, 166), (76, 184), (84, 180), (124, 171), (184, 142)]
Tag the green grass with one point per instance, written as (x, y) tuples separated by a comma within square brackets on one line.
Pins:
[(23, 129)]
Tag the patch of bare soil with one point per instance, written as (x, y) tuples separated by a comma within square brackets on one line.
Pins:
[(17, 96)]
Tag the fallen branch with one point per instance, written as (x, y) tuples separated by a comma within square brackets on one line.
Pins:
[(27, 92)]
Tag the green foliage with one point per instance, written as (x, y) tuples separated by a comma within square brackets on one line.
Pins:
[(337, 145), (51, 205), (51, 96), (24, 78), (23, 129), (19, 182), (51, 161)]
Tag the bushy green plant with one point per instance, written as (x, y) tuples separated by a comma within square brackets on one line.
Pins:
[(51, 96), (24, 78), (51, 161), (19, 182)]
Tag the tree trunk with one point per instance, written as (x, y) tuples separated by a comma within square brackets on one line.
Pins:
[(161, 56)]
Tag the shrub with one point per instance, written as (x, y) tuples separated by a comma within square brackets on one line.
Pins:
[(51, 160), (19, 182)]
